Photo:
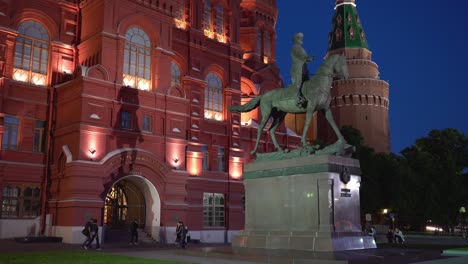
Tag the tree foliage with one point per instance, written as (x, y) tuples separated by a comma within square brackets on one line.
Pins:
[(427, 182)]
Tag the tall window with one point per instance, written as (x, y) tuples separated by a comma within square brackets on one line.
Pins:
[(125, 120), (219, 26), (10, 202), (220, 159), (205, 165), (146, 123), (207, 18), (31, 53), (39, 136), (31, 202), (179, 15), (10, 136), (213, 209), (258, 48), (175, 74), (267, 56), (137, 59), (213, 97)]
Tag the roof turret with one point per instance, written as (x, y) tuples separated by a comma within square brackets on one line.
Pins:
[(347, 31)]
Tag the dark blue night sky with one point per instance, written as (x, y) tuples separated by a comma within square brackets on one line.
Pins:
[(421, 47)]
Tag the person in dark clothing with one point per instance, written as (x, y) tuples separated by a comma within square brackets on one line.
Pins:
[(181, 234), (86, 232), (390, 236), (134, 232), (178, 232), (94, 234)]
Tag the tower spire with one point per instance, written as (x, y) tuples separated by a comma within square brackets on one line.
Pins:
[(347, 31), (362, 100)]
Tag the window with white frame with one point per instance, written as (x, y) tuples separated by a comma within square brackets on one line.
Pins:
[(10, 202), (10, 136), (137, 59), (213, 97), (213, 210), (175, 74), (31, 53)]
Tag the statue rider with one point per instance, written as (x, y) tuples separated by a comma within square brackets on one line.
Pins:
[(299, 71)]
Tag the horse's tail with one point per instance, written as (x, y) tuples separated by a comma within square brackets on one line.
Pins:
[(249, 106)]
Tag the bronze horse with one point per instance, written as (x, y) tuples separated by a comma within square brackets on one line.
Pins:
[(277, 103)]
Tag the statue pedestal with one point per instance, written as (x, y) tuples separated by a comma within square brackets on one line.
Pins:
[(307, 203)]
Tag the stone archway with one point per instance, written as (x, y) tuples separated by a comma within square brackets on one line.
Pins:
[(131, 197)]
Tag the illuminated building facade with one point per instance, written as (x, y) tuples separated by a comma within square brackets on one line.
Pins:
[(117, 110)]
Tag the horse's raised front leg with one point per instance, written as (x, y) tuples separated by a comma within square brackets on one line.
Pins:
[(278, 119)]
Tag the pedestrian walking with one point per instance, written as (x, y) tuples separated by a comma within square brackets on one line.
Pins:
[(134, 233), (86, 232), (94, 235)]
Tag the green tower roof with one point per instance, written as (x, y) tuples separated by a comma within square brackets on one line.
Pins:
[(347, 31)]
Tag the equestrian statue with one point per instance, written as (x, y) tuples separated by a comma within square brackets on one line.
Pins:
[(316, 93)]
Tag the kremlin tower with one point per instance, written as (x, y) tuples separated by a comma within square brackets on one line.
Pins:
[(362, 100)]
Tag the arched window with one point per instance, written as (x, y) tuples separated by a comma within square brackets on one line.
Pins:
[(31, 53), (137, 59), (175, 74), (213, 97)]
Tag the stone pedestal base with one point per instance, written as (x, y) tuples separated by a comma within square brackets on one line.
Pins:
[(332, 241), (309, 203)]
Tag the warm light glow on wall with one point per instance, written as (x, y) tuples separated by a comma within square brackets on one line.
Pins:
[(221, 38), (265, 59), (175, 155), (235, 168), (209, 114), (208, 33), (92, 146), (135, 82), (29, 77), (180, 24), (194, 163)]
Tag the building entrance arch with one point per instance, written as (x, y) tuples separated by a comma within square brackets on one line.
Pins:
[(131, 197)]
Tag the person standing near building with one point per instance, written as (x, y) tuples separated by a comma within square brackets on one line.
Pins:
[(299, 71), (94, 234), (134, 232), (87, 233)]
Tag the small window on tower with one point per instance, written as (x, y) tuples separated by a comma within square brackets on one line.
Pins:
[(351, 33), (339, 20), (338, 35)]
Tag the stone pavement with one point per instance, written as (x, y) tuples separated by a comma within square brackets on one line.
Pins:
[(222, 254)]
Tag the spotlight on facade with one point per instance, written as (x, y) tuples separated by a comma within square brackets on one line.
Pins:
[(92, 151)]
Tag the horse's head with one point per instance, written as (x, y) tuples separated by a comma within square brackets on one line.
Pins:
[(340, 67)]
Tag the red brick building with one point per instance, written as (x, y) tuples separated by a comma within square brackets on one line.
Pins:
[(117, 110)]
